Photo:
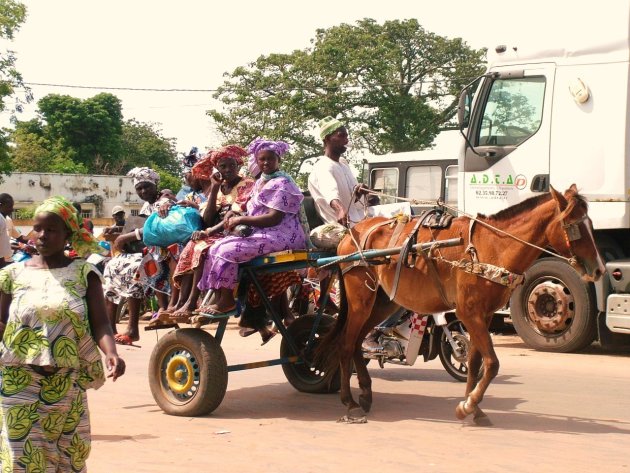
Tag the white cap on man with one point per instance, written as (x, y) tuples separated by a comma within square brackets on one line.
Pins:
[(117, 209)]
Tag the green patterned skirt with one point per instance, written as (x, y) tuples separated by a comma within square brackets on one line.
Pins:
[(44, 421)]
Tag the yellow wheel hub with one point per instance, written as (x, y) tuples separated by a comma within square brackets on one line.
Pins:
[(179, 374)]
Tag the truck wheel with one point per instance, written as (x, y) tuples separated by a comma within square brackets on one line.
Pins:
[(554, 310), (301, 375), (188, 373)]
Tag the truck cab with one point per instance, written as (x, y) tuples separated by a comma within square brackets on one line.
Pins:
[(554, 117)]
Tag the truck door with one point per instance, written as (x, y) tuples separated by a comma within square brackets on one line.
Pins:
[(510, 133)]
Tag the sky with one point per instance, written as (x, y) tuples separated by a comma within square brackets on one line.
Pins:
[(190, 44)]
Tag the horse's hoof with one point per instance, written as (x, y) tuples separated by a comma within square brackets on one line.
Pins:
[(460, 411), (356, 415)]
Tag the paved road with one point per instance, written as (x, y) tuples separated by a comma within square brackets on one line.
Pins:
[(551, 412)]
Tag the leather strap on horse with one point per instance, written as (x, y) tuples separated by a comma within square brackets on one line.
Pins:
[(402, 258), (491, 272), (486, 270)]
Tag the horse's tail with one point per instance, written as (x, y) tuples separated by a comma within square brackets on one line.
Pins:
[(326, 353)]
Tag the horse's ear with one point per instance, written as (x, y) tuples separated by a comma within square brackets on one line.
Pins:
[(562, 201)]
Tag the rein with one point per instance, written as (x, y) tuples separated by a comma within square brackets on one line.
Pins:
[(488, 271), (572, 225)]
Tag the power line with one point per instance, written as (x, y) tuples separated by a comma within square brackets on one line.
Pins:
[(133, 89), (231, 89)]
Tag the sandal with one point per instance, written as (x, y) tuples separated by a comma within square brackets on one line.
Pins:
[(267, 338), (158, 319), (246, 332), (181, 317), (212, 311), (198, 321), (146, 316), (124, 339)]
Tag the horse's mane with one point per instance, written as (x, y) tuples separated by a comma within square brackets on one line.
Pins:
[(511, 212)]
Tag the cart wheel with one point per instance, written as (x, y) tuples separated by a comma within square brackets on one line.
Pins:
[(302, 376), (188, 373)]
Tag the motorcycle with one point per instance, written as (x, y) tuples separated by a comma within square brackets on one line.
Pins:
[(404, 336)]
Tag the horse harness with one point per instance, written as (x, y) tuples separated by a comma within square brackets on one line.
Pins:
[(487, 271), (436, 218)]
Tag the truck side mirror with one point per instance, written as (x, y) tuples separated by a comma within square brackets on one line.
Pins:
[(463, 109)]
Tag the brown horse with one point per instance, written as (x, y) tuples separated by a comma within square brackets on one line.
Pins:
[(551, 220)]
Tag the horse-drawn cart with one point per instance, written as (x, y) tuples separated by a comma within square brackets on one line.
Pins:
[(188, 371)]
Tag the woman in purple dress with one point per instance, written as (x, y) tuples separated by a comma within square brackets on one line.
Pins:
[(273, 212)]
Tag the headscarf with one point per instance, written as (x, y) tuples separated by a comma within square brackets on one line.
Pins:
[(230, 151), (203, 169), (81, 240), (280, 148), (252, 166), (328, 125), (144, 174)]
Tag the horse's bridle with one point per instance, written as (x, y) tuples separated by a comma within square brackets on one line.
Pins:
[(572, 233)]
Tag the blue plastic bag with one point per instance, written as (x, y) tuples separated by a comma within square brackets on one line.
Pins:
[(176, 227)]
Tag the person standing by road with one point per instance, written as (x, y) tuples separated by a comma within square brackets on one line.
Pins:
[(53, 319), (331, 182), (7, 230)]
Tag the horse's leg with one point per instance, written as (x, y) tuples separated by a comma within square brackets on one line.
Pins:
[(365, 381), (482, 343), (360, 301), (382, 309), (474, 364)]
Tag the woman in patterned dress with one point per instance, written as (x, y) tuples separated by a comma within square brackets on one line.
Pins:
[(53, 318), (122, 273), (228, 191), (273, 212)]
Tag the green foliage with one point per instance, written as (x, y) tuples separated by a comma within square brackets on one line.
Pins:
[(5, 158), (25, 214), (12, 15), (168, 180), (144, 145), (394, 85), (88, 136), (86, 131)]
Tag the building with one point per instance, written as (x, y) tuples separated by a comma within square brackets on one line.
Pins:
[(97, 194)]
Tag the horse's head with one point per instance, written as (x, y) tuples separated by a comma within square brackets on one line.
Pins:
[(571, 234)]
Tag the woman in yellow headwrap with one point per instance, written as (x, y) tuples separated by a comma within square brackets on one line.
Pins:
[(53, 318)]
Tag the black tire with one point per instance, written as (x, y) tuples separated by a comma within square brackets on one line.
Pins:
[(456, 363), (188, 373), (302, 376), (554, 310)]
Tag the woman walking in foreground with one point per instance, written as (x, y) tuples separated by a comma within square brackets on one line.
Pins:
[(53, 318)]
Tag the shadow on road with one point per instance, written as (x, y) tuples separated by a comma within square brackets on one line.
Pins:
[(280, 401)]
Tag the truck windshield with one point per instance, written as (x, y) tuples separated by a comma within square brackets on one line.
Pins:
[(513, 111)]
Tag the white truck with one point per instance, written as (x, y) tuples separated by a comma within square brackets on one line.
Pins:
[(555, 117)]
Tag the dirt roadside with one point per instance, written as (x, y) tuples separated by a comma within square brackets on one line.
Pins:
[(551, 412)]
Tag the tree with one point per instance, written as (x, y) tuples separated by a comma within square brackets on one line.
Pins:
[(66, 139), (34, 151), (394, 85), (12, 15), (89, 131), (144, 145)]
